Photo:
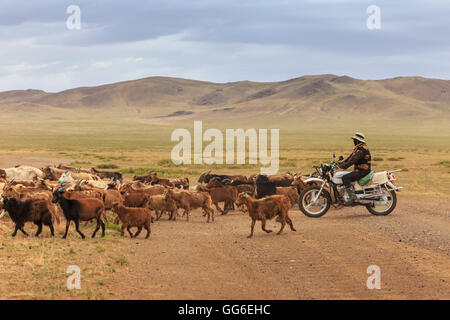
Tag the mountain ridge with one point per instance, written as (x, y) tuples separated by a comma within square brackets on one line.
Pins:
[(307, 97)]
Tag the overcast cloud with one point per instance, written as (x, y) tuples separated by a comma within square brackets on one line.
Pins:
[(221, 40)]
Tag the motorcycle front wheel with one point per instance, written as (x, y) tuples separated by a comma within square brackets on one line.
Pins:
[(318, 208), (384, 210)]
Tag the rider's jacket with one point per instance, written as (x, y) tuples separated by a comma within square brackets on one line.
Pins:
[(360, 157)]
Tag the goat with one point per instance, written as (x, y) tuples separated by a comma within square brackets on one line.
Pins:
[(225, 194), (116, 176), (266, 209), (154, 179), (71, 169), (33, 210), (205, 177), (290, 192), (80, 210), (111, 196), (160, 204), (133, 217), (192, 200), (3, 175), (180, 183), (135, 199), (41, 192)]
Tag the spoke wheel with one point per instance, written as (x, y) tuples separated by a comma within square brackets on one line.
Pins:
[(319, 207), (384, 210)]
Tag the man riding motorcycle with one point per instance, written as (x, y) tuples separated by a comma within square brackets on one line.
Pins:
[(360, 158)]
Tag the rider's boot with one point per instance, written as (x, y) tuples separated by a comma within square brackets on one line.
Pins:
[(350, 195)]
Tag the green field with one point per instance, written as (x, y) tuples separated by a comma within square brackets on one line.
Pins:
[(133, 146)]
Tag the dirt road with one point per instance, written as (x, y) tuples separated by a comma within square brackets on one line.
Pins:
[(327, 258)]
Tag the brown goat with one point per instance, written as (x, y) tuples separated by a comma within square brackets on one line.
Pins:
[(135, 199), (290, 192), (225, 194), (181, 183), (133, 217), (110, 197), (266, 209), (191, 200), (160, 204), (80, 210), (154, 179)]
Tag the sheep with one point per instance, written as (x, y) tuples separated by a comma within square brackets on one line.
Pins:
[(80, 210), (99, 184), (133, 217), (160, 204), (266, 209), (192, 200), (24, 173), (61, 175), (290, 192), (32, 210), (225, 194)]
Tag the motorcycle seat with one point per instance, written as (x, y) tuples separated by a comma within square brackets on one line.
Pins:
[(364, 180)]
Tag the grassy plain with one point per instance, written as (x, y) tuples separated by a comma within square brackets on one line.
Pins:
[(132, 146)]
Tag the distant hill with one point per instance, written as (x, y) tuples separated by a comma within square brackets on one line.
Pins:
[(308, 97)]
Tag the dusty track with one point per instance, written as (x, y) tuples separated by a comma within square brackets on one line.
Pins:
[(326, 258)]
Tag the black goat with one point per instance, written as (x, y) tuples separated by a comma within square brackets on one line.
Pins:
[(265, 187), (116, 176), (33, 210), (80, 210)]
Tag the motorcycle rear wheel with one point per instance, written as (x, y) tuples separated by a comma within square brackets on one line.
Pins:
[(324, 202), (389, 209)]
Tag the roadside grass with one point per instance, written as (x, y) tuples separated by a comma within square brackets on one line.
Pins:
[(395, 158), (107, 166), (445, 163), (35, 268)]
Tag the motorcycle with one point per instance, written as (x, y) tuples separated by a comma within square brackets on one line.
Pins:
[(378, 194)]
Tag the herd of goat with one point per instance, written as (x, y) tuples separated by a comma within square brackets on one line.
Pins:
[(43, 196)]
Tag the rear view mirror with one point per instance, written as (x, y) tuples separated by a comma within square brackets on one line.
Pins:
[(341, 158)]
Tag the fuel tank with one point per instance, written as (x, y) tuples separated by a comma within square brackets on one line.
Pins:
[(337, 178)]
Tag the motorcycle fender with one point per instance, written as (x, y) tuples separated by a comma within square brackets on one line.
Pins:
[(315, 180), (392, 186)]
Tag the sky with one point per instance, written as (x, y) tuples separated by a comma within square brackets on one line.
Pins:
[(218, 40)]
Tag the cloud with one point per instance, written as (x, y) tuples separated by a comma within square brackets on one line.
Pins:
[(223, 40), (24, 67), (102, 64)]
